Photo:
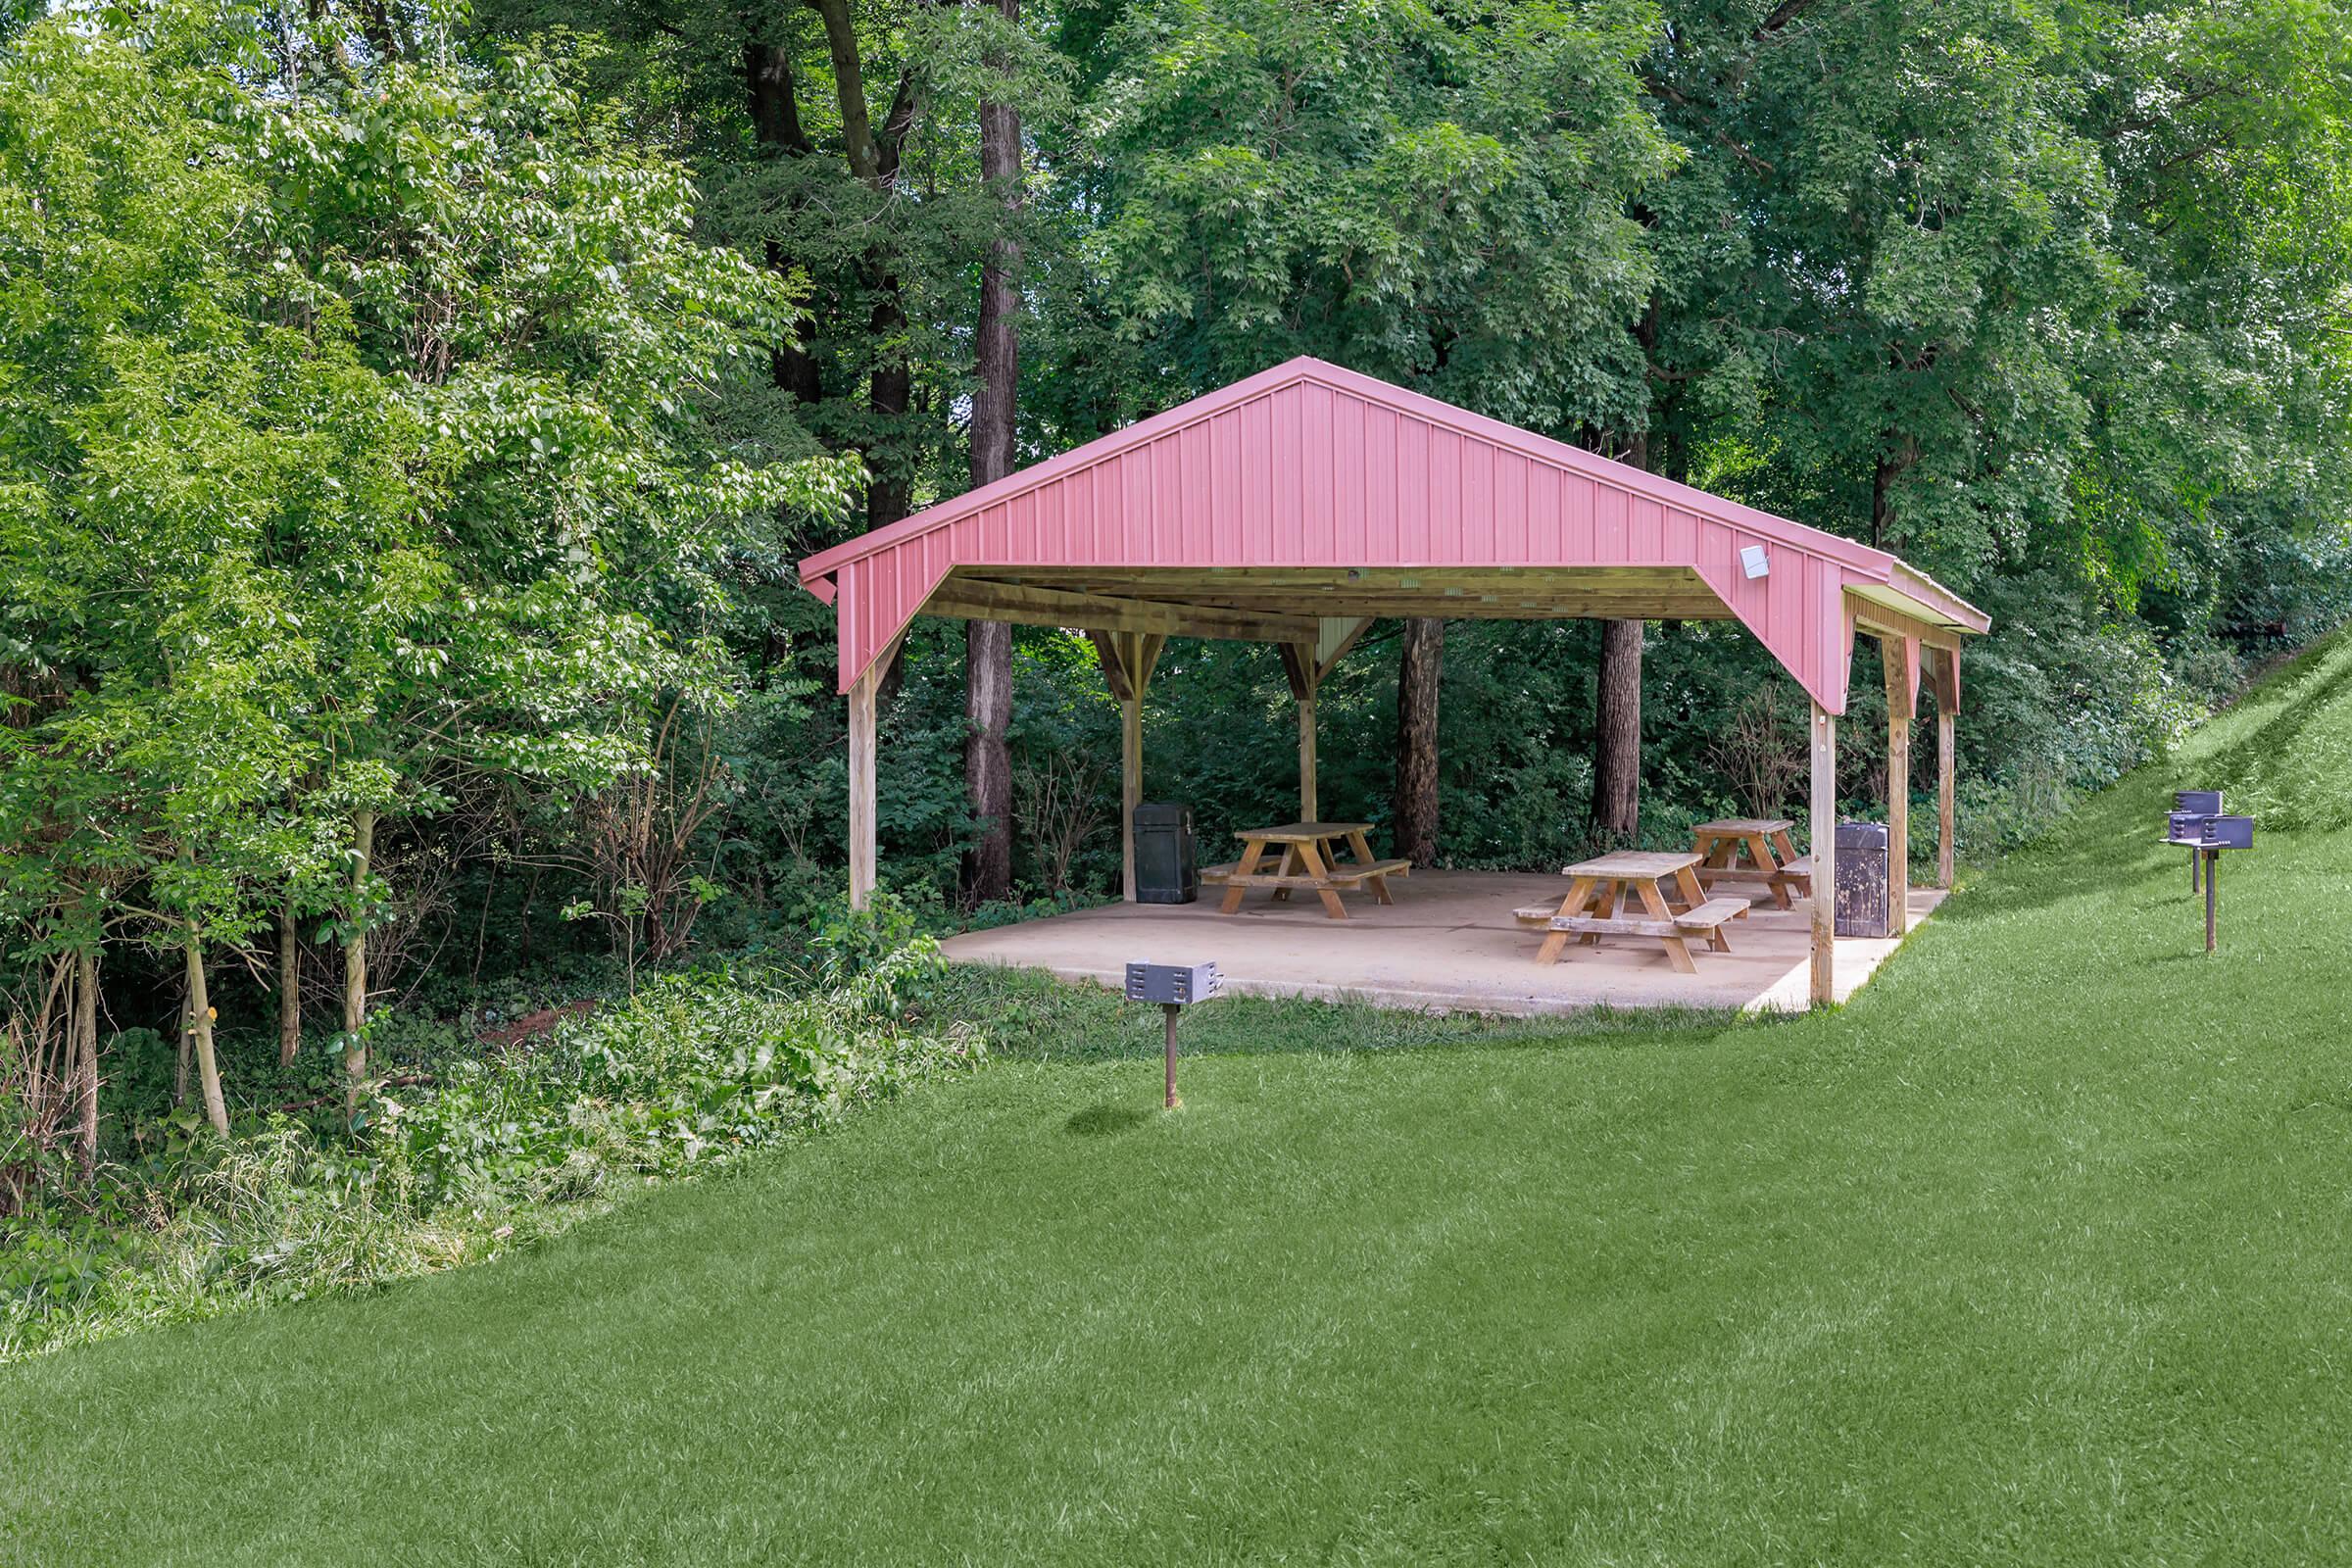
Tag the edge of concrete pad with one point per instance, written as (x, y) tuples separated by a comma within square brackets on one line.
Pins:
[(1393, 999)]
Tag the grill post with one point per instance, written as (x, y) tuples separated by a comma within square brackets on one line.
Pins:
[(1172, 986), (2213, 863), (2197, 823), (1172, 1009)]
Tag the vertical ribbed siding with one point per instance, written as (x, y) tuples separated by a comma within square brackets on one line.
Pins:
[(1306, 474)]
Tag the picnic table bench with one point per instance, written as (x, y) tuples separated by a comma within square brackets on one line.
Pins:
[(1599, 888), (1306, 858), (1754, 850)]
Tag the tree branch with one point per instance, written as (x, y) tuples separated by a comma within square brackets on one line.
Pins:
[(1781, 14)]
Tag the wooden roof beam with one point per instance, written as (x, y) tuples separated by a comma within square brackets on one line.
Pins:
[(978, 599), (1176, 581), (1882, 622), (1517, 608)]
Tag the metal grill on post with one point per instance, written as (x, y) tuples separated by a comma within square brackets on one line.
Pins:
[(2196, 823), (1174, 986), (2192, 809)]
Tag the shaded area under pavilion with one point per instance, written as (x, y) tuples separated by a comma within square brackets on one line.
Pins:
[(1298, 506)]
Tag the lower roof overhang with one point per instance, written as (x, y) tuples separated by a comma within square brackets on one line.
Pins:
[(1286, 604)]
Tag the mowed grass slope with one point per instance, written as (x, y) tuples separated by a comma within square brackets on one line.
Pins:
[(2037, 1253)]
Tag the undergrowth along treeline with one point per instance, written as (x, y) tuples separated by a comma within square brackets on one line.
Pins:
[(495, 1152)]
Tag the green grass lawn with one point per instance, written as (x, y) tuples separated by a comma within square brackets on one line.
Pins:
[(2038, 1253)]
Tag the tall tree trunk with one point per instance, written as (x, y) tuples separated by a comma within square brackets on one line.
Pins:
[(988, 644), (776, 123), (890, 389), (85, 1060), (199, 1030), (377, 26), (873, 156), (1617, 715), (987, 756), (181, 1056), (354, 966), (1617, 733), (289, 986), (1897, 454), (1415, 805)]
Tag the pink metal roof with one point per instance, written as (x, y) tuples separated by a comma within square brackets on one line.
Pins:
[(1308, 465)]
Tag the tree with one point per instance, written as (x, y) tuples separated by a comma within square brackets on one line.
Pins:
[(1617, 733), (1415, 795), (141, 472), (565, 411), (388, 431), (1442, 202), (995, 404), (818, 141)]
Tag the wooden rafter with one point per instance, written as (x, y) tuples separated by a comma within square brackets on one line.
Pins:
[(1339, 595), (1884, 621), (1111, 657), (979, 598), (1298, 667), (1497, 608)]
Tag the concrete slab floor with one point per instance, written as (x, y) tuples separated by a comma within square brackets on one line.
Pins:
[(1447, 943)]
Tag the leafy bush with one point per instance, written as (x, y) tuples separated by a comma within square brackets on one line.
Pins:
[(694, 1070)]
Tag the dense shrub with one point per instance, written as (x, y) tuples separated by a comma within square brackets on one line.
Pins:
[(694, 1069), (693, 1072)]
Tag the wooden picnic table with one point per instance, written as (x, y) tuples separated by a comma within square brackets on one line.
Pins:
[(1307, 858), (1601, 888), (1753, 850)]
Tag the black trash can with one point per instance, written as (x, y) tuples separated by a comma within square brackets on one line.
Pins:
[(1165, 870), (1862, 880)]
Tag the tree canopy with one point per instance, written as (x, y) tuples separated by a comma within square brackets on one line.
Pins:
[(408, 419)]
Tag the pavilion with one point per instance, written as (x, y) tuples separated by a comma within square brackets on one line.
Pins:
[(1301, 503)]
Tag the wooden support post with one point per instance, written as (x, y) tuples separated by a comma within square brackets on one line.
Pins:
[(1306, 757), (1306, 665), (1823, 828), (864, 700), (1947, 759), (1128, 659), (1300, 667), (1131, 783), (1898, 657), (1943, 795), (863, 691)]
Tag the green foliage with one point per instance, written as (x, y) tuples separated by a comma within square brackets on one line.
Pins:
[(693, 1072), (1439, 198), (362, 447)]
